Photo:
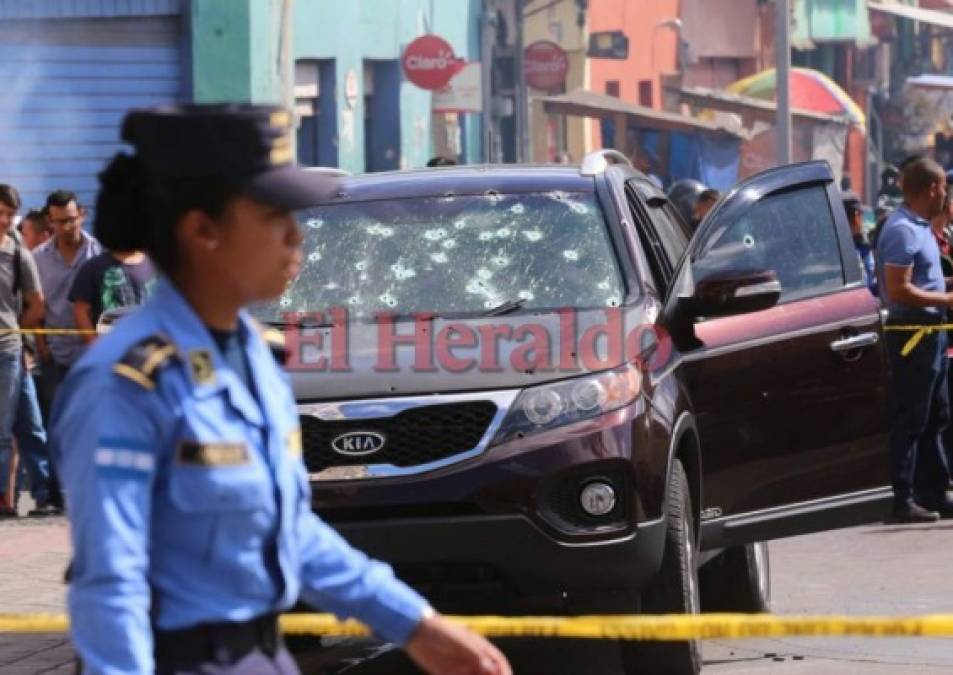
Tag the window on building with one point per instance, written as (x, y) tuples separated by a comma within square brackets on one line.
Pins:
[(368, 106), (613, 89), (307, 110), (645, 93)]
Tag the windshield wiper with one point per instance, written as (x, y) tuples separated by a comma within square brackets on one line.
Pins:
[(505, 308)]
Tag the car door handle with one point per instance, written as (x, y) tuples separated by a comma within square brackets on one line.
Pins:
[(855, 342)]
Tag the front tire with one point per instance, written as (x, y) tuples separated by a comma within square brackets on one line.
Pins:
[(674, 591), (738, 580)]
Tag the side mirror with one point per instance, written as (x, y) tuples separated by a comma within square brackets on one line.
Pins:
[(734, 293)]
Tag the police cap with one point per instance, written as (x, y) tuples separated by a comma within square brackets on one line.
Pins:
[(248, 146)]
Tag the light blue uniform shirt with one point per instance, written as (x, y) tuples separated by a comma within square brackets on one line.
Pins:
[(178, 495), (907, 240)]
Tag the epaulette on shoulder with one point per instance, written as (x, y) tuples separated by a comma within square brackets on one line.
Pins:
[(142, 361)]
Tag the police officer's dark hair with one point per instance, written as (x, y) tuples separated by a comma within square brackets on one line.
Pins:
[(920, 174), (61, 199), (709, 195), (9, 197), (138, 212)]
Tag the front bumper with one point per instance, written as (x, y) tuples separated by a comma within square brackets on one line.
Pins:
[(465, 559)]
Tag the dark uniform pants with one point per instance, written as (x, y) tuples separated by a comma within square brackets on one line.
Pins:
[(919, 410), (254, 663), (252, 647)]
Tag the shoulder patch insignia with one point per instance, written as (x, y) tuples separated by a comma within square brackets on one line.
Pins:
[(142, 361), (201, 366)]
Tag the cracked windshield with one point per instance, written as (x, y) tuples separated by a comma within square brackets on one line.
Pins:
[(454, 255)]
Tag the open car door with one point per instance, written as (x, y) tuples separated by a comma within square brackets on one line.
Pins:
[(781, 344)]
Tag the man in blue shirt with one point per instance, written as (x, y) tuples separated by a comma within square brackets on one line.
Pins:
[(915, 292)]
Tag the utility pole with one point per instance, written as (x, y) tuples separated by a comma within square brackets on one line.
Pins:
[(522, 92), (782, 41)]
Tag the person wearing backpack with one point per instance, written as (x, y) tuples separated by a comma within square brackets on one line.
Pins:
[(21, 306)]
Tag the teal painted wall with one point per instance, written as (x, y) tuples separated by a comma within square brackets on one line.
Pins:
[(350, 31), (235, 45)]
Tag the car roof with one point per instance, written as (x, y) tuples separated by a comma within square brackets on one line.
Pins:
[(463, 180)]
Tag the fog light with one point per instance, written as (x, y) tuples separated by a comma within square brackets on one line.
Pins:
[(597, 498)]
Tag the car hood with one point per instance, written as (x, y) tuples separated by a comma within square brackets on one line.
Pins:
[(540, 347)]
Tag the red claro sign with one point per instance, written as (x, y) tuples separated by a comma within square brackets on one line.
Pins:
[(545, 65), (429, 62)]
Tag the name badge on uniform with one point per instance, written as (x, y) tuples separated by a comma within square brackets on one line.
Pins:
[(212, 454), (200, 366)]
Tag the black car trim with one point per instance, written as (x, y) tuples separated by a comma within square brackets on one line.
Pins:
[(829, 513), (531, 559)]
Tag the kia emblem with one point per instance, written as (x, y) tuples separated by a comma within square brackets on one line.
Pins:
[(358, 443)]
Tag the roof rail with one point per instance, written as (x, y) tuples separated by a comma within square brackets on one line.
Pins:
[(598, 161), (328, 170)]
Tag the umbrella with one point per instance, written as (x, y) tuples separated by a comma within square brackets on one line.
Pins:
[(810, 90)]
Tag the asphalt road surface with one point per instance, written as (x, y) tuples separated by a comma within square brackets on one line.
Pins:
[(894, 570)]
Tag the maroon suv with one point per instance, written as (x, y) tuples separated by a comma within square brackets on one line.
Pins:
[(530, 391)]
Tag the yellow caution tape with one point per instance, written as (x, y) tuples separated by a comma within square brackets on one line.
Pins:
[(47, 331), (670, 627), (919, 332)]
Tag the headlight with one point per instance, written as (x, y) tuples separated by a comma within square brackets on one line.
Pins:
[(554, 405)]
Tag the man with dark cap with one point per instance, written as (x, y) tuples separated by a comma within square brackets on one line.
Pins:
[(915, 292), (178, 436)]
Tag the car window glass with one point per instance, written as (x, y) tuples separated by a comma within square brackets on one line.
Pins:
[(651, 243), (454, 255), (790, 233), (672, 238)]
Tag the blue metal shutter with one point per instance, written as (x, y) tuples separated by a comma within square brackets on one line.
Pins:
[(67, 85)]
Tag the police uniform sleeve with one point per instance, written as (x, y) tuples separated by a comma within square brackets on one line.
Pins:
[(338, 578), (104, 438)]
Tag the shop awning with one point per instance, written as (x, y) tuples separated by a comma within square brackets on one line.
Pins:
[(931, 16), (751, 109), (584, 103)]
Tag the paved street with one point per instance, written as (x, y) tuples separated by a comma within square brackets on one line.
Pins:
[(872, 570)]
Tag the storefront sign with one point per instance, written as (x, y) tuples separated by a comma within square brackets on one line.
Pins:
[(545, 66), (429, 62), (611, 44), (464, 93)]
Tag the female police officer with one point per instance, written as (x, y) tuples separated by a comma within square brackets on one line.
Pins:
[(177, 435)]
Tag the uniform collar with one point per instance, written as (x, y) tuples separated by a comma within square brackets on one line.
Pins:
[(204, 365)]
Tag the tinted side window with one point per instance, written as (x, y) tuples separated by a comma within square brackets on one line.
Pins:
[(673, 239), (791, 233)]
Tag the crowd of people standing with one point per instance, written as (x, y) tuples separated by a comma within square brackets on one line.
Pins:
[(55, 283)]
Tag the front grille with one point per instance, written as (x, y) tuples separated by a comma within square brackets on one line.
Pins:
[(414, 436)]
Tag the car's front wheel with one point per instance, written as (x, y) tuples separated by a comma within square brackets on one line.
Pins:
[(738, 580), (674, 591)]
